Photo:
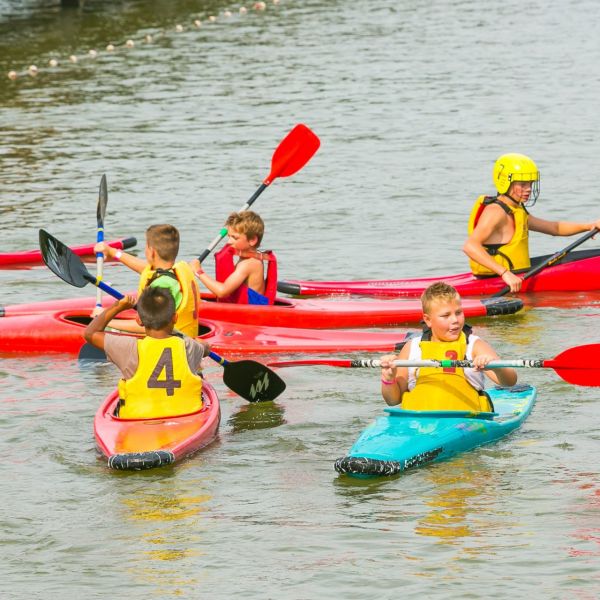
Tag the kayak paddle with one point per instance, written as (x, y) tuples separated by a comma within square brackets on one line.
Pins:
[(578, 365), (249, 379), (293, 152), (100, 212), (556, 257)]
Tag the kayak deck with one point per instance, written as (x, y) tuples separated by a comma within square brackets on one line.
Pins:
[(405, 439), (298, 314), (139, 444), (62, 332), (577, 271)]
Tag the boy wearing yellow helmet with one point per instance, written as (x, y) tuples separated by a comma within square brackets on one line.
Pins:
[(498, 241)]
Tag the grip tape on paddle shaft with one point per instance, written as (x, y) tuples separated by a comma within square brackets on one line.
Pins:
[(468, 364)]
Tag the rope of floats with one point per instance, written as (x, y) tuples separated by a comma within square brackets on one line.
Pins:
[(53, 63)]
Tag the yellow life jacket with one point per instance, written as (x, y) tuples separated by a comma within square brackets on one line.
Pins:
[(515, 254), (163, 384), (187, 311), (444, 389)]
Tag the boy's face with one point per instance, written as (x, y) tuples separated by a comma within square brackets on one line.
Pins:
[(240, 241), (446, 319), (520, 191)]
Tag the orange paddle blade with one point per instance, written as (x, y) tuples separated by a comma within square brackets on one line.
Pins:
[(293, 152)]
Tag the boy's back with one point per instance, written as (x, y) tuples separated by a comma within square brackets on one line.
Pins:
[(160, 371)]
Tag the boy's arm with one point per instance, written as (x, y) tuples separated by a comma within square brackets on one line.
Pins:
[(133, 262), (94, 332), (205, 347), (483, 353), (488, 228), (394, 380), (562, 228), (227, 287)]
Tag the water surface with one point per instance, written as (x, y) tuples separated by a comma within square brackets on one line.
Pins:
[(413, 102)]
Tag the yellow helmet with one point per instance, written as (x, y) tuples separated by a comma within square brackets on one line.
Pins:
[(516, 167)]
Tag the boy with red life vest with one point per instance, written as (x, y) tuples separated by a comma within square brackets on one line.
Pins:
[(161, 269), (160, 371), (445, 336), (244, 282), (498, 241)]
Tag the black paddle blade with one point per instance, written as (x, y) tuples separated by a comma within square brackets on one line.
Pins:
[(102, 202), (252, 381), (62, 261)]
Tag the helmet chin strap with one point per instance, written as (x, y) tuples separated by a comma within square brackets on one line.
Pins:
[(507, 195)]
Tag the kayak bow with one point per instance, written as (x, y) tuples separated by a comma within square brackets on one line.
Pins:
[(138, 444), (33, 258)]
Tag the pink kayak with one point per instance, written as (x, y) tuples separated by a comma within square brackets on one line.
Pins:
[(137, 444), (62, 332), (578, 271), (308, 314), (33, 258)]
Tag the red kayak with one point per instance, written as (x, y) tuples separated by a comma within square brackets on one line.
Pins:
[(62, 332), (309, 314), (137, 444), (578, 271), (33, 258)]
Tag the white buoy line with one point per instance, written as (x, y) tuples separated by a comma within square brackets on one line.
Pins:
[(196, 23)]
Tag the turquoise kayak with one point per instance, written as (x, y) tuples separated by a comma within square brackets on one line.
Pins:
[(405, 439)]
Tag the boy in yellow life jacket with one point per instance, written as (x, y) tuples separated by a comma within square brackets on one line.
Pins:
[(444, 337), (499, 226), (161, 269), (243, 282), (160, 370)]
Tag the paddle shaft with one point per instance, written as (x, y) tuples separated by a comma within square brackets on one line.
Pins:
[(100, 212), (223, 232), (556, 257), (292, 153), (443, 364), (579, 365)]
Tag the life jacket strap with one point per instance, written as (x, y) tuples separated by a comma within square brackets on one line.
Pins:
[(162, 273)]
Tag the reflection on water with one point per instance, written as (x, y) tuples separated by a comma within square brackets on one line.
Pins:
[(258, 415), (463, 490), (582, 513), (164, 525)]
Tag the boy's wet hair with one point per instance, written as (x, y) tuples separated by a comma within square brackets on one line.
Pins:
[(156, 307), (165, 240), (440, 290), (248, 223)]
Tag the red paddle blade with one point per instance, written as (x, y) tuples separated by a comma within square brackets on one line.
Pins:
[(293, 152), (579, 365)]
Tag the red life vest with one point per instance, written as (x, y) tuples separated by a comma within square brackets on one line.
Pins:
[(224, 267)]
